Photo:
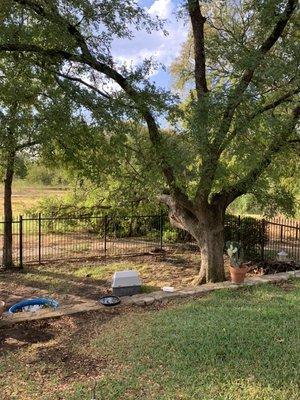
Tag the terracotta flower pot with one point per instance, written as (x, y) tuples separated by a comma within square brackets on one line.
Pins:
[(2, 307), (238, 274)]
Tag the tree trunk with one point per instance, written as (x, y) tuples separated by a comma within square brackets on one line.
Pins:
[(211, 245), (7, 258), (206, 224)]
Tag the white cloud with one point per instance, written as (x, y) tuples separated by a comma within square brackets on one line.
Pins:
[(161, 48), (161, 8)]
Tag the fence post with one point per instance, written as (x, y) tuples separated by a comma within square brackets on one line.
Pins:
[(239, 229), (40, 238), (262, 246), (21, 241), (297, 227), (105, 234), (161, 228)]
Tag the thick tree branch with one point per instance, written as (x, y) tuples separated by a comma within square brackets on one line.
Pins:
[(180, 217), (46, 52), (198, 22), (270, 106)]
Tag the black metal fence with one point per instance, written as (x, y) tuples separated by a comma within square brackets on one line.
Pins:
[(281, 235), (38, 239), (42, 239), (263, 239)]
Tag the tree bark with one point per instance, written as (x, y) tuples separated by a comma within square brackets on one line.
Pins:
[(7, 257), (210, 238), (212, 258)]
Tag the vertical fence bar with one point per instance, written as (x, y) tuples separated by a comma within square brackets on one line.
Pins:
[(262, 254), (161, 229), (239, 229), (40, 238), (105, 234), (21, 241), (297, 244)]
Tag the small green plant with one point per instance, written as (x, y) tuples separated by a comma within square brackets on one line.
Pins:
[(234, 252), (170, 236), (152, 235)]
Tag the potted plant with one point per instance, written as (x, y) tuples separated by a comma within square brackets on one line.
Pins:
[(237, 268), (2, 307)]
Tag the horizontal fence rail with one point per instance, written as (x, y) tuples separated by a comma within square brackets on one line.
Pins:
[(282, 235), (38, 239), (43, 239)]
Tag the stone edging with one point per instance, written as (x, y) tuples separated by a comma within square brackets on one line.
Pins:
[(145, 299)]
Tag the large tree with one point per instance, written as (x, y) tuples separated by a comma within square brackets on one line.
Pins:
[(240, 115)]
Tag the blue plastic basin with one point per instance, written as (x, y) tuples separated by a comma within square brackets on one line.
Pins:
[(19, 307)]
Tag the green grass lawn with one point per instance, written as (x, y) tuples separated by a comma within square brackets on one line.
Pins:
[(230, 345)]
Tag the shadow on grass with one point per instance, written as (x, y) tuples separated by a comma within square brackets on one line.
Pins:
[(61, 284), (54, 336), (18, 336)]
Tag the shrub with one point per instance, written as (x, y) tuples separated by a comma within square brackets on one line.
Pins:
[(170, 236), (178, 235), (248, 232)]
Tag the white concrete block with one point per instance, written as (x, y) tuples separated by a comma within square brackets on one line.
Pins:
[(126, 279)]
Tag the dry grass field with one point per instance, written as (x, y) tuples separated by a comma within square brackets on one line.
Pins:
[(26, 195)]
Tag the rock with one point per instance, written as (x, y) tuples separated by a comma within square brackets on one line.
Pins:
[(143, 301)]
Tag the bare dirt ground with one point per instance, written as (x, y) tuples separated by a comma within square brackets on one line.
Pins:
[(75, 282)]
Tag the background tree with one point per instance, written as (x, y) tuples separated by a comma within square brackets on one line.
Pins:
[(31, 122), (240, 116), (18, 133), (111, 177)]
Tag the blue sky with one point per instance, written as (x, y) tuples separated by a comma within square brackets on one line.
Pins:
[(162, 48)]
